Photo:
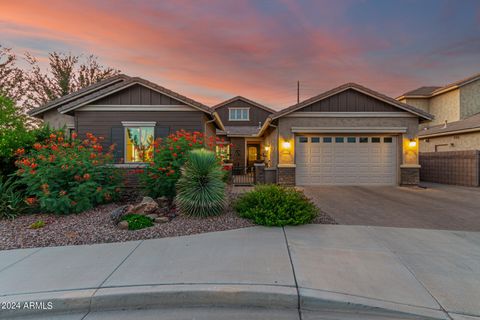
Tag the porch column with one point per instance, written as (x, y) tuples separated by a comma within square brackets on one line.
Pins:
[(259, 177), (410, 167)]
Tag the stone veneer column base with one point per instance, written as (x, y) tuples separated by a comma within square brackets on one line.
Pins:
[(259, 173), (409, 174), (286, 174)]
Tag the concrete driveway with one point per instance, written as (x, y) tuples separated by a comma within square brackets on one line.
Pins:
[(435, 207)]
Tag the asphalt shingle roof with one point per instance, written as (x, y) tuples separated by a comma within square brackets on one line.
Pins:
[(472, 122)]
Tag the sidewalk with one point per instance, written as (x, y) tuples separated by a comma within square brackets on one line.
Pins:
[(320, 269)]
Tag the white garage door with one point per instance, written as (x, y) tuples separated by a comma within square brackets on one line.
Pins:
[(346, 160)]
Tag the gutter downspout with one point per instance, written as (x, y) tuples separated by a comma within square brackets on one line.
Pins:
[(205, 126)]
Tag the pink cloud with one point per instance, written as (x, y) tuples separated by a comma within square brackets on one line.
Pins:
[(207, 55)]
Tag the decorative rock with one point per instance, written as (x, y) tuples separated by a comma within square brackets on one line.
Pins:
[(161, 219), (119, 212), (152, 216), (123, 225), (147, 206)]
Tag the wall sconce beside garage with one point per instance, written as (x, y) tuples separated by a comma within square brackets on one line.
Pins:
[(286, 145)]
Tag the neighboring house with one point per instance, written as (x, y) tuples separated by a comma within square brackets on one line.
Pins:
[(456, 108), (350, 135)]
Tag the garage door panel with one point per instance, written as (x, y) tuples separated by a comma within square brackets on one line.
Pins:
[(347, 163)]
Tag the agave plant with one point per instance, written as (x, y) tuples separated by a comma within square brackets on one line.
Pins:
[(200, 189), (12, 202)]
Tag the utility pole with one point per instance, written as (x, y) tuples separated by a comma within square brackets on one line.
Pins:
[(298, 91)]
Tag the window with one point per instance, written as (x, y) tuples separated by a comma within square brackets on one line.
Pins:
[(238, 114), (387, 140), (375, 140), (327, 140), (351, 139), (315, 139), (363, 140), (223, 151), (302, 139), (139, 144), (339, 139)]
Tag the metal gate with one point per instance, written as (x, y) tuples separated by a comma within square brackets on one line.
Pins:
[(243, 176)]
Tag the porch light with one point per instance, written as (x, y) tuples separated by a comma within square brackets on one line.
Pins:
[(286, 145), (412, 143), (267, 148)]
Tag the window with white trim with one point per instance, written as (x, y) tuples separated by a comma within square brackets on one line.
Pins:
[(239, 114), (139, 139)]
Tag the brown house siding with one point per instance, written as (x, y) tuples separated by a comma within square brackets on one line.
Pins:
[(107, 124), (238, 151), (256, 114), (349, 101), (137, 95)]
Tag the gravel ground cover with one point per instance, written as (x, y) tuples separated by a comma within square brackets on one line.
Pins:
[(96, 226)]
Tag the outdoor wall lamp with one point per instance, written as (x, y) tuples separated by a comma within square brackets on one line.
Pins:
[(267, 148), (286, 145), (412, 143)]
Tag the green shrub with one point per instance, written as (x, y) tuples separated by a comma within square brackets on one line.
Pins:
[(37, 224), (68, 176), (137, 221), (12, 199), (201, 189), (273, 205)]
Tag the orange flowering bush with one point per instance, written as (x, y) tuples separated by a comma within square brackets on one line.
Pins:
[(68, 175), (169, 155)]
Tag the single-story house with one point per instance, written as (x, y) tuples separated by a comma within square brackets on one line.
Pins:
[(350, 135)]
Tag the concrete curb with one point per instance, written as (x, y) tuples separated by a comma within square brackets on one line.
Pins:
[(323, 301), (157, 296), (212, 296)]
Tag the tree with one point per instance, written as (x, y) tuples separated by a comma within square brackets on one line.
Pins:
[(13, 133), (67, 73), (12, 78)]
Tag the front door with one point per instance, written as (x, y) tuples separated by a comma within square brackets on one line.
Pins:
[(253, 154)]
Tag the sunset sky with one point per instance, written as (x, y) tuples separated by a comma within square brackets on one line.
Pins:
[(213, 50)]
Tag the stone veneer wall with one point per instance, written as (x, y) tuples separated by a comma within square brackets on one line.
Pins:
[(409, 176), (286, 176)]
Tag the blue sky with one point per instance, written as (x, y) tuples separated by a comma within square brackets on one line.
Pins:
[(213, 50)]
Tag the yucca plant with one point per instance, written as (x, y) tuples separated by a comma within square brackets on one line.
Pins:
[(12, 201), (200, 189)]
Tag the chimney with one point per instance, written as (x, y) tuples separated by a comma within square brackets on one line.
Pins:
[(445, 125)]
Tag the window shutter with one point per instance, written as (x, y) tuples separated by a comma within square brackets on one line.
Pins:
[(118, 138), (162, 131)]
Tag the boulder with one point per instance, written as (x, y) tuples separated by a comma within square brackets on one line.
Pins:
[(123, 225), (152, 216), (147, 206), (117, 214), (161, 220)]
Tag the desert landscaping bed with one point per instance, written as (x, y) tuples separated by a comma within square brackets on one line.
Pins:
[(96, 226)]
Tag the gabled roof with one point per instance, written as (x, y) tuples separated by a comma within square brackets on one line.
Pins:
[(359, 88), (80, 93), (469, 124), (256, 104), (95, 95), (424, 93)]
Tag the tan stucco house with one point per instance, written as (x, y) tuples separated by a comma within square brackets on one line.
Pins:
[(456, 111), (350, 135)]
